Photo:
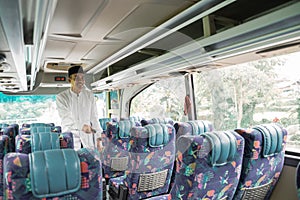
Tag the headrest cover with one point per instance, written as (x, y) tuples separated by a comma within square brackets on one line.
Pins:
[(54, 172), (272, 138), (39, 125), (125, 127), (44, 141), (223, 147), (103, 122), (40, 129), (199, 127), (158, 134)]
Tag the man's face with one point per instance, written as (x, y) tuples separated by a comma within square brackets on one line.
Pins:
[(77, 81)]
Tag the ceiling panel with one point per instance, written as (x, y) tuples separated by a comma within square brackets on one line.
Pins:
[(71, 17), (58, 49)]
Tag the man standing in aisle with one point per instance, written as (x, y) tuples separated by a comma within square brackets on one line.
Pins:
[(77, 110)]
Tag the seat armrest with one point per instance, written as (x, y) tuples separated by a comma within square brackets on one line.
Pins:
[(123, 192)]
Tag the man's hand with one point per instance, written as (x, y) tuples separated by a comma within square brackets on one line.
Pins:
[(87, 128), (100, 146)]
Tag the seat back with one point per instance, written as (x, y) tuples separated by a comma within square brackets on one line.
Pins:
[(11, 131), (44, 141), (28, 129), (157, 120), (41, 141), (263, 160), (152, 155), (3, 125), (103, 122), (195, 127), (73, 175), (208, 165), (115, 155), (4, 143)]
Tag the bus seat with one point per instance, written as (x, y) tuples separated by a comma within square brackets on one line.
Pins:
[(115, 154), (4, 142), (3, 125), (24, 142), (135, 118), (195, 127), (69, 175), (151, 155), (298, 180), (11, 131), (103, 123), (157, 120), (28, 129), (208, 166), (263, 160)]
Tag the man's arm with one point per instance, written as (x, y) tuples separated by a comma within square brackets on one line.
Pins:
[(65, 113), (94, 118)]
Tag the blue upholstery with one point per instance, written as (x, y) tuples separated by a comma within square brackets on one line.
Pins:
[(208, 166), (103, 122), (116, 142), (4, 143), (157, 120), (223, 147), (158, 135), (264, 152), (54, 174), (28, 129), (3, 125), (124, 128), (49, 178), (195, 127), (146, 160), (200, 126), (11, 131), (40, 129), (44, 141), (272, 139)]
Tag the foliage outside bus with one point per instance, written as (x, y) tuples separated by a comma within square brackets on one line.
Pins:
[(240, 96)]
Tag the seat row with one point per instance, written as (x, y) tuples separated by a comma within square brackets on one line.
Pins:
[(236, 164), (51, 169)]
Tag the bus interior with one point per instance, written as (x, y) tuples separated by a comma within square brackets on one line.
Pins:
[(232, 62)]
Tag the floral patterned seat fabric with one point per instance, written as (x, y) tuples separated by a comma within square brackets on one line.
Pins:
[(263, 160), (18, 182), (208, 166), (115, 155), (4, 143), (152, 154)]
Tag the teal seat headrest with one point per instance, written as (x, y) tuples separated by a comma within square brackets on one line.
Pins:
[(54, 172), (40, 129), (103, 122), (44, 141), (223, 146), (272, 135), (158, 134), (125, 127), (199, 127)]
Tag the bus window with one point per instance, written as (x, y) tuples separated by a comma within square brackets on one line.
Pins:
[(21, 109), (262, 91), (164, 99)]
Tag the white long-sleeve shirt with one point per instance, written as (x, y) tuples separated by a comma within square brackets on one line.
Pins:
[(75, 110)]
